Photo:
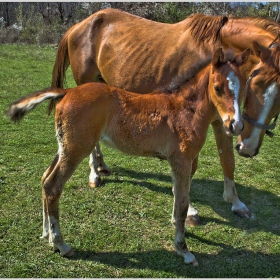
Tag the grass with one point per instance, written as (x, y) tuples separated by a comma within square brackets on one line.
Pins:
[(123, 228)]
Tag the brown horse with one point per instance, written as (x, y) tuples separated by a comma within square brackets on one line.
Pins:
[(134, 123), (262, 99), (141, 55)]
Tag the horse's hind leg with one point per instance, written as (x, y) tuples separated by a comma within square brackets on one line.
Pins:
[(97, 167)]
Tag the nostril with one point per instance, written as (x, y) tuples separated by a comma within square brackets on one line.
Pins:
[(231, 126), (236, 127), (237, 147)]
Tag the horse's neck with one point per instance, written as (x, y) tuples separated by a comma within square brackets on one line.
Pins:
[(239, 34)]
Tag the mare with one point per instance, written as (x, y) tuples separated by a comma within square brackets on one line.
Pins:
[(262, 99), (141, 55), (134, 123)]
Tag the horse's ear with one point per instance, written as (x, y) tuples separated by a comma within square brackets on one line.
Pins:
[(218, 58), (260, 51)]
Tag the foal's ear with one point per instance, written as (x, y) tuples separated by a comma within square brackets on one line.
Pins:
[(218, 58), (242, 57), (245, 55), (260, 51)]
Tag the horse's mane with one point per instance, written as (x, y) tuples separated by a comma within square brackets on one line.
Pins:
[(272, 66), (266, 24), (192, 76), (205, 28)]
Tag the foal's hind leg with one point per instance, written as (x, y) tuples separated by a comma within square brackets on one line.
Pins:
[(54, 180), (103, 169), (45, 215), (97, 167)]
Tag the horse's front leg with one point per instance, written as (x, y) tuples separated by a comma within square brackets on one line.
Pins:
[(181, 173), (225, 149), (97, 167)]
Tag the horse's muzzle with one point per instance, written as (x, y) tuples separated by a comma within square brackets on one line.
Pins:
[(242, 151)]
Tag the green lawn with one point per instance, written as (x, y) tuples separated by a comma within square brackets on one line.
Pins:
[(123, 228)]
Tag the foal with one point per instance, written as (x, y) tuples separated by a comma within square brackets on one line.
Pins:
[(163, 125)]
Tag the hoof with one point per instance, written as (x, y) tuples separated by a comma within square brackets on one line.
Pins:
[(244, 214), (189, 258), (45, 236), (96, 183), (194, 263), (69, 254), (104, 172), (55, 249), (192, 221)]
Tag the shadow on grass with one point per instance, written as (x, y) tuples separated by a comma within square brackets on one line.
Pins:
[(209, 192), (236, 263)]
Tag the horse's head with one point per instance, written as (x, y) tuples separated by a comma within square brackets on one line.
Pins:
[(261, 100), (225, 87)]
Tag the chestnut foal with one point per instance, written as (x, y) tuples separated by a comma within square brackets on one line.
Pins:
[(168, 126)]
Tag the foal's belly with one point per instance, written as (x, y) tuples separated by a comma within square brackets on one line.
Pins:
[(146, 147)]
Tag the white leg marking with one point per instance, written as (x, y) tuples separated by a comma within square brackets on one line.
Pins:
[(94, 178), (192, 211), (230, 195), (45, 226), (189, 258), (55, 237)]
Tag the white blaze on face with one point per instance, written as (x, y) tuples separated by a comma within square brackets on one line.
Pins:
[(234, 86), (250, 144)]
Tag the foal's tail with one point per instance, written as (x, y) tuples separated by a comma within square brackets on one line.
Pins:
[(62, 61), (21, 107)]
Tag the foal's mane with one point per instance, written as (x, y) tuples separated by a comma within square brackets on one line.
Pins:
[(206, 28)]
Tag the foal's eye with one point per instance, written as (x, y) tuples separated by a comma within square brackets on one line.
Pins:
[(218, 89)]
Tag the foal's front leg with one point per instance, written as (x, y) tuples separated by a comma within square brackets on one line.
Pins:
[(97, 167), (181, 173), (225, 149)]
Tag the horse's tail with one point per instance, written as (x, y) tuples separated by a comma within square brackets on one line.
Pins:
[(62, 61), (21, 107)]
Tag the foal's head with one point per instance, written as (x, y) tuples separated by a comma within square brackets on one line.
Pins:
[(262, 99), (225, 87)]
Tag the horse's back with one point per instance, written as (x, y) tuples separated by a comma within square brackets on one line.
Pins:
[(130, 52)]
